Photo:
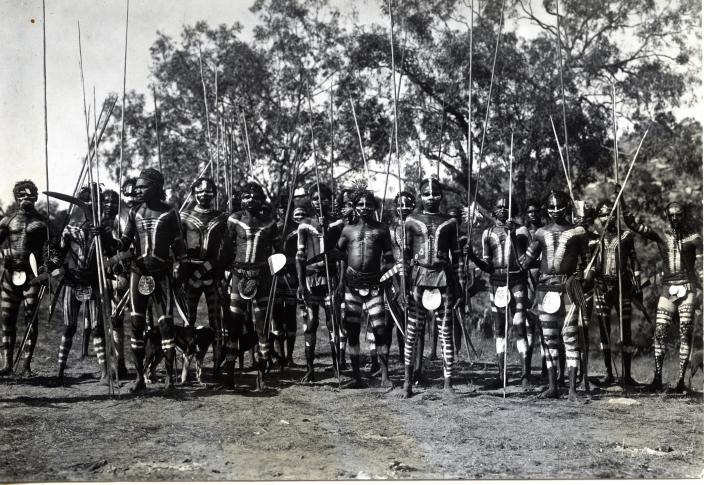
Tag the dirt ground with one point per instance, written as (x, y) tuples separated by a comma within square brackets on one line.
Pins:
[(318, 432)]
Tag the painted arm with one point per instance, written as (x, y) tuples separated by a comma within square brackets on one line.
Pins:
[(636, 226), (483, 263), (532, 253), (303, 292)]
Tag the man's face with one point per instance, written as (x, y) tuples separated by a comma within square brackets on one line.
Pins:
[(128, 195), (557, 209), (25, 198), (675, 214), (501, 210), (251, 202), (298, 216), (204, 194), (405, 206), (143, 190), (533, 214), (431, 196), (347, 206), (603, 216), (365, 207), (320, 202), (109, 206)]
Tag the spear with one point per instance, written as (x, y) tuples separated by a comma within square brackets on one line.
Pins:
[(217, 138), (322, 246), (95, 208), (565, 168), (486, 120), (618, 198), (470, 160), (249, 152), (205, 103), (508, 251), (562, 85), (442, 137), (361, 145), (156, 127), (332, 144), (46, 132), (618, 233), (122, 116), (83, 172), (398, 159)]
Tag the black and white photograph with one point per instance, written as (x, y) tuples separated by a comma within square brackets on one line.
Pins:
[(351, 240)]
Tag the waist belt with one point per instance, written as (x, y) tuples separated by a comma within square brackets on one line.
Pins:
[(359, 279), (436, 265), (150, 265), (248, 266), (499, 278), (554, 287), (16, 264), (676, 280)]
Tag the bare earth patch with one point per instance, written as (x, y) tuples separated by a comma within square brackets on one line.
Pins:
[(318, 432)]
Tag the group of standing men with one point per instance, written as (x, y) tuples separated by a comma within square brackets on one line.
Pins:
[(348, 263)]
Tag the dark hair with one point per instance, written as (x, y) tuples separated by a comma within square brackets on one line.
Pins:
[(110, 194), (364, 193), (341, 196), (253, 188), (84, 193), (560, 196), (24, 184), (533, 202), (427, 181), (128, 181), (197, 182), (324, 190), (404, 193)]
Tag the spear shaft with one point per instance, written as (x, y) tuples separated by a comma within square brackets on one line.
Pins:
[(361, 145), (398, 159), (156, 127), (205, 103), (122, 116), (618, 234), (508, 253), (95, 208), (562, 86), (322, 244), (486, 118), (46, 130)]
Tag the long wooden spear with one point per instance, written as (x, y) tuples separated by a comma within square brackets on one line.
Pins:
[(618, 198), (332, 144), (486, 120), (361, 146), (618, 235), (46, 132), (398, 159), (156, 127), (470, 162), (322, 246), (205, 103), (508, 252), (562, 86), (565, 168), (95, 207), (122, 116)]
